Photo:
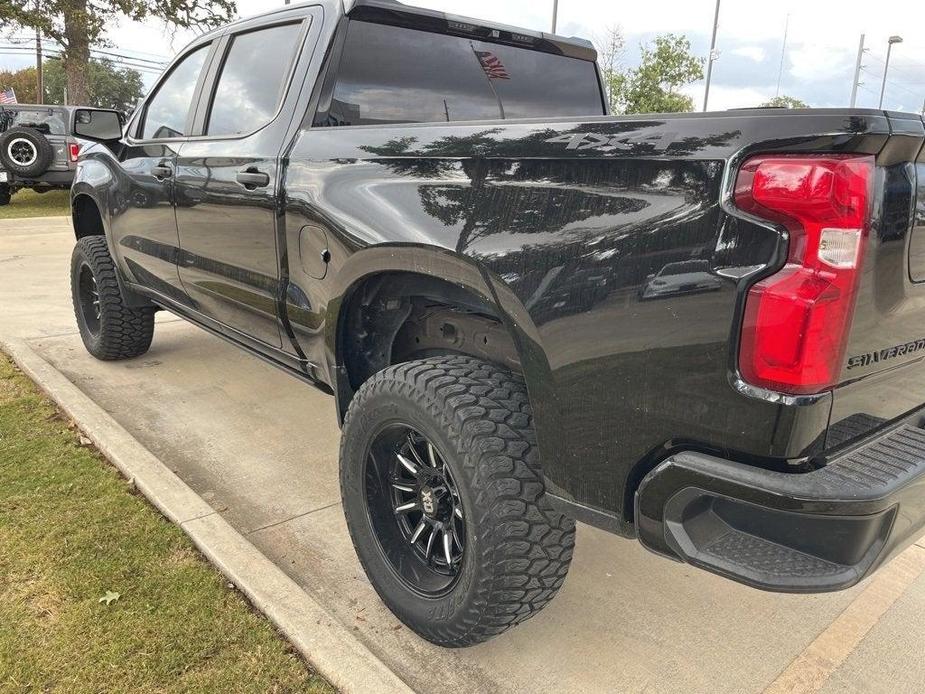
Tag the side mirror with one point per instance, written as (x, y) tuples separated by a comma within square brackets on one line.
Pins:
[(98, 125)]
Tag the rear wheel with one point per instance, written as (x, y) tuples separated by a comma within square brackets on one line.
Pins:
[(109, 329), (6, 194), (445, 501), (26, 152)]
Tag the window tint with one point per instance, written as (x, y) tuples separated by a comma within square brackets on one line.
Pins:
[(48, 121), (252, 79), (168, 109), (396, 75)]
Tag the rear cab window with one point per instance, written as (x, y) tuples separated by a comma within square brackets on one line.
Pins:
[(253, 79), (48, 121), (390, 74)]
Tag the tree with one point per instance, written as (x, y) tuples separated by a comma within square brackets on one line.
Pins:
[(654, 86), (611, 48), (23, 82), (77, 25), (785, 102), (108, 85)]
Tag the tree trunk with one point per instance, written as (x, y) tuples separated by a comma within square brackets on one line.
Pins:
[(77, 53)]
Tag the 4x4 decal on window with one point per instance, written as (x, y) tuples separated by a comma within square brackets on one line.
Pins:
[(658, 142)]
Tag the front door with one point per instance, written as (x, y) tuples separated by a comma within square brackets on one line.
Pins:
[(227, 182), (143, 222)]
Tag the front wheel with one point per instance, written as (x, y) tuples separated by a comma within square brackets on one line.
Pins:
[(445, 501), (110, 330)]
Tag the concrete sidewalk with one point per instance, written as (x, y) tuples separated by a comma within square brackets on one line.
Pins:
[(260, 448)]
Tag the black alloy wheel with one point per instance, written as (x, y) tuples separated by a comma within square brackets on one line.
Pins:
[(88, 300), (420, 518)]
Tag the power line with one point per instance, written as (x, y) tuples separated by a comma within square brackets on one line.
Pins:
[(52, 54), (58, 53), (99, 51)]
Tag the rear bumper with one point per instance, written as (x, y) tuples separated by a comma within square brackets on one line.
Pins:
[(802, 533), (49, 179)]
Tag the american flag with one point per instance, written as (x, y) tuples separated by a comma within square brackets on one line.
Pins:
[(492, 66), (8, 97)]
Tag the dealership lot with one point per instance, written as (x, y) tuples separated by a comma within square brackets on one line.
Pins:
[(261, 449)]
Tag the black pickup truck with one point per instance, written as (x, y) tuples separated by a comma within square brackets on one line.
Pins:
[(702, 331)]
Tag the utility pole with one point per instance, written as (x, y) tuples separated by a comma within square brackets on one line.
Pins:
[(39, 76), (712, 59), (886, 69), (555, 14), (783, 55), (857, 73)]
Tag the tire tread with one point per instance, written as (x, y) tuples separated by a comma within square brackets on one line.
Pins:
[(527, 545), (125, 333)]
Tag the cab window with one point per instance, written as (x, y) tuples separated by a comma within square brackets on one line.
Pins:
[(253, 79), (167, 111)]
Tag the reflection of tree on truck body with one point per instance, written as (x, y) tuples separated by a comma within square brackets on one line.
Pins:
[(588, 204)]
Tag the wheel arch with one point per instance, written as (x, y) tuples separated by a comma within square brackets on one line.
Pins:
[(86, 216), (393, 285)]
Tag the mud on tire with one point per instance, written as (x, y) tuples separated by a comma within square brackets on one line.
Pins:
[(517, 548), (110, 330)]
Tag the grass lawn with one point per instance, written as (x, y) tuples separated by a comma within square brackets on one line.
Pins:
[(73, 531), (28, 203)]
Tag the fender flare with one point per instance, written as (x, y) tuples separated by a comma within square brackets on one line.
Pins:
[(469, 276)]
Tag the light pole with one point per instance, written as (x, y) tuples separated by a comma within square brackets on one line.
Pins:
[(886, 68), (712, 59), (555, 14)]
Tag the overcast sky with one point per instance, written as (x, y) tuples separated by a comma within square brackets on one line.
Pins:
[(818, 65)]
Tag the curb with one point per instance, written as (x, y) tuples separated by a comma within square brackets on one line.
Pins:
[(328, 645)]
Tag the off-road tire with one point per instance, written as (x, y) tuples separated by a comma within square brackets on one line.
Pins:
[(6, 194), (44, 153), (119, 332), (518, 548)]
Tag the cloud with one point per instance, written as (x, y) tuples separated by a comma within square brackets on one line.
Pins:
[(723, 98), (756, 54)]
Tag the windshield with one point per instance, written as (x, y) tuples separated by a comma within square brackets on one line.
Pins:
[(48, 121)]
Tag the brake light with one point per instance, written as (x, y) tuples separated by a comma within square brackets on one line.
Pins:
[(797, 321), (74, 150)]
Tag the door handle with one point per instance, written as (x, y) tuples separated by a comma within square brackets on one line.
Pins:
[(161, 171), (252, 178)]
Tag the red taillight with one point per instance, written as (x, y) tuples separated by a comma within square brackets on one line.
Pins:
[(74, 150), (797, 321)]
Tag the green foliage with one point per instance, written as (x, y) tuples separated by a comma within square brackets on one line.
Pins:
[(667, 65), (26, 203), (611, 48), (23, 83), (71, 532), (785, 102), (109, 85)]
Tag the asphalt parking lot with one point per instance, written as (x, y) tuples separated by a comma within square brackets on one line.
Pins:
[(261, 448)]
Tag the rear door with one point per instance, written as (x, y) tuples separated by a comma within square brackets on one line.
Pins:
[(143, 222), (228, 177)]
